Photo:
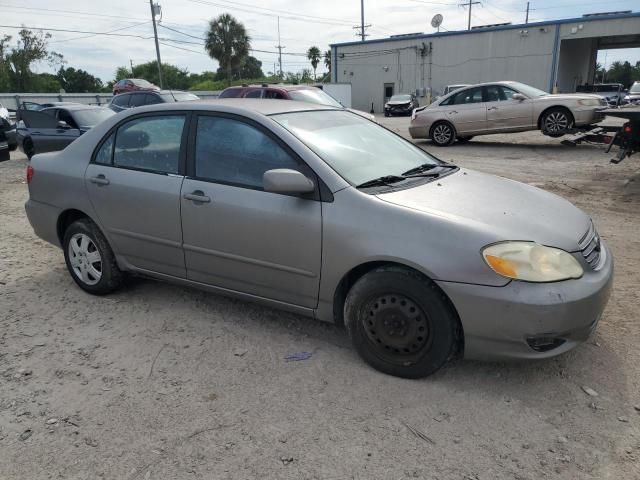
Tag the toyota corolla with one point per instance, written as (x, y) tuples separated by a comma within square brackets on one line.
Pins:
[(319, 211)]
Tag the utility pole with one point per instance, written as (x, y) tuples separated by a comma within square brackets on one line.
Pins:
[(361, 29), (279, 47), (155, 34), (131, 62), (526, 20), (470, 4)]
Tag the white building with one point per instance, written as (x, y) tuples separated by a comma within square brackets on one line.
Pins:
[(553, 55)]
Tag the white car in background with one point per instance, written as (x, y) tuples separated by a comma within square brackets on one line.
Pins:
[(4, 113)]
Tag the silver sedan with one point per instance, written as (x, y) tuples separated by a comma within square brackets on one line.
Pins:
[(321, 212), (503, 107)]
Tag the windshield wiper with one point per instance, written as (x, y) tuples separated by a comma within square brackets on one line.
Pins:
[(426, 167), (386, 180)]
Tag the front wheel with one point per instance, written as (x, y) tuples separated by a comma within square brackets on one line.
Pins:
[(556, 122), (443, 134), (89, 258), (400, 323)]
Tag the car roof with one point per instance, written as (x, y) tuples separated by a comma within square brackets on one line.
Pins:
[(261, 106), (282, 86), (75, 107)]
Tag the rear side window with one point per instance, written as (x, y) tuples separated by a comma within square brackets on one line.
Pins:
[(232, 152), (230, 93), (254, 94), (273, 94), (105, 153), (150, 143), (152, 99), (121, 100)]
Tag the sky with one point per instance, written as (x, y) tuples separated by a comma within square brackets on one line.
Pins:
[(303, 23)]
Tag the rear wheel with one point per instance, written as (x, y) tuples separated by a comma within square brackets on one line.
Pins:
[(400, 322), (443, 134), (28, 148), (556, 122), (89, 258)]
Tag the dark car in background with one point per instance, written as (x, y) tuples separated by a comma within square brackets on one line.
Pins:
[(401, 104), (53, 128), (301, 93), (133, 85), (138, 99)]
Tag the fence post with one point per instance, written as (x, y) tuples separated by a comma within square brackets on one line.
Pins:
[(17, 102)]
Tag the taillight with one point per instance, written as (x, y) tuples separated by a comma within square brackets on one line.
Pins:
[(626, 128), (29, 173)]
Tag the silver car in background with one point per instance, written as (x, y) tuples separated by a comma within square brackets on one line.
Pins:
[(319, 211), (502, 107)]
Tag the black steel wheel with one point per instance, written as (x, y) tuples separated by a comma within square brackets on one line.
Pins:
[(401, 323)]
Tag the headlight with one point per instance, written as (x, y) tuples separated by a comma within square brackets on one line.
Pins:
[(589, 102), (531, 262)]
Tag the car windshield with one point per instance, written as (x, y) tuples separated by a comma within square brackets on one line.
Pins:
[(528, 90), (400, 98), (92, 117), (179, 97), (140, 82), (357, 149), (314, 96), (635, 88)]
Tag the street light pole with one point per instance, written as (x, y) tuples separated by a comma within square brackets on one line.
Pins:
[(155, 35)]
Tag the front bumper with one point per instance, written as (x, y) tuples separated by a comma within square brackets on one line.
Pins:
[(498, 321), (588, 115)]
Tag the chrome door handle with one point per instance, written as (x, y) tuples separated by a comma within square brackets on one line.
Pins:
[(197, 196), (492, 108), (453, 112), (99, 180)]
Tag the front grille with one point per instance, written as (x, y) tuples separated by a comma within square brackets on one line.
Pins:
[(590, 247)]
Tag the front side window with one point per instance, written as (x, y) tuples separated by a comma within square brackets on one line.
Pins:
[(274, 94), (150, 143), (356, 148), (232, 152), (471, 95), (507, 93), (137, 100), (122, 100), (254, 94)]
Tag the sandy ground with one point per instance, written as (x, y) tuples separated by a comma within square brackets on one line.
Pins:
[(163, 382)]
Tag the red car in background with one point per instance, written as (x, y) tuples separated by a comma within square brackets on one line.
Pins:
[(133, 84)]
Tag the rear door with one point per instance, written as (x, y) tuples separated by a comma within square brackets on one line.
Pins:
[(236, 235), (134, 182), (467, 111), (504, 113)]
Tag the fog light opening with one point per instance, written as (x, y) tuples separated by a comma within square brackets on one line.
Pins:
[(545, 344)]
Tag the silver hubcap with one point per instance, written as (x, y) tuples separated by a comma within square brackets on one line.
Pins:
[(85, 259), (556, 122), (442, 133)]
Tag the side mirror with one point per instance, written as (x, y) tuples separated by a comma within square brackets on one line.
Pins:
[(284, 180), (62, 125), (518, 96)]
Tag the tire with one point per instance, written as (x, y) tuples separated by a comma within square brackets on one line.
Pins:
[(425, 329), (556, 122), (100, 276), (464, 139), (386, 114), (442, 134), (27, 148)]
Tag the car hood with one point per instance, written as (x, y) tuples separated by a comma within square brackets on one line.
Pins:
[(498, 208), (570, 96)]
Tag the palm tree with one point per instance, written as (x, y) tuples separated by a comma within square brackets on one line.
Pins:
[(227, 41), (327, 60), (314, 55)]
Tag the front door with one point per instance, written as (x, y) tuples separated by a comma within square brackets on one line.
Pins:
[(466, 110), (42, 128), (504, 113), (134, 184), (236, 235)]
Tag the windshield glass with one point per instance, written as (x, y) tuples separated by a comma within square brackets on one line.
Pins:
[(635, 88), (92, 117), (357, 149), (528, 90), (180, 97), (400, 98), (141, 82), (314, 96)]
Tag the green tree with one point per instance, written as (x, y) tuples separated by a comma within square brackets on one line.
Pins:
[(228, 42), (314, 55), (327, 60), (173, 76), (252, 68), (31, 47), (78, 81)]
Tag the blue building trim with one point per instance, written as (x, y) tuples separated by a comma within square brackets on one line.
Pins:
[(554, 58), (491, 29)]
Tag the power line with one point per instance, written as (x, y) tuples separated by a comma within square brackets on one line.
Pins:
[(52, 11), (102, 33)]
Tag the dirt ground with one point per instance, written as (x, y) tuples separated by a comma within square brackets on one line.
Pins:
[(164, 382)]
